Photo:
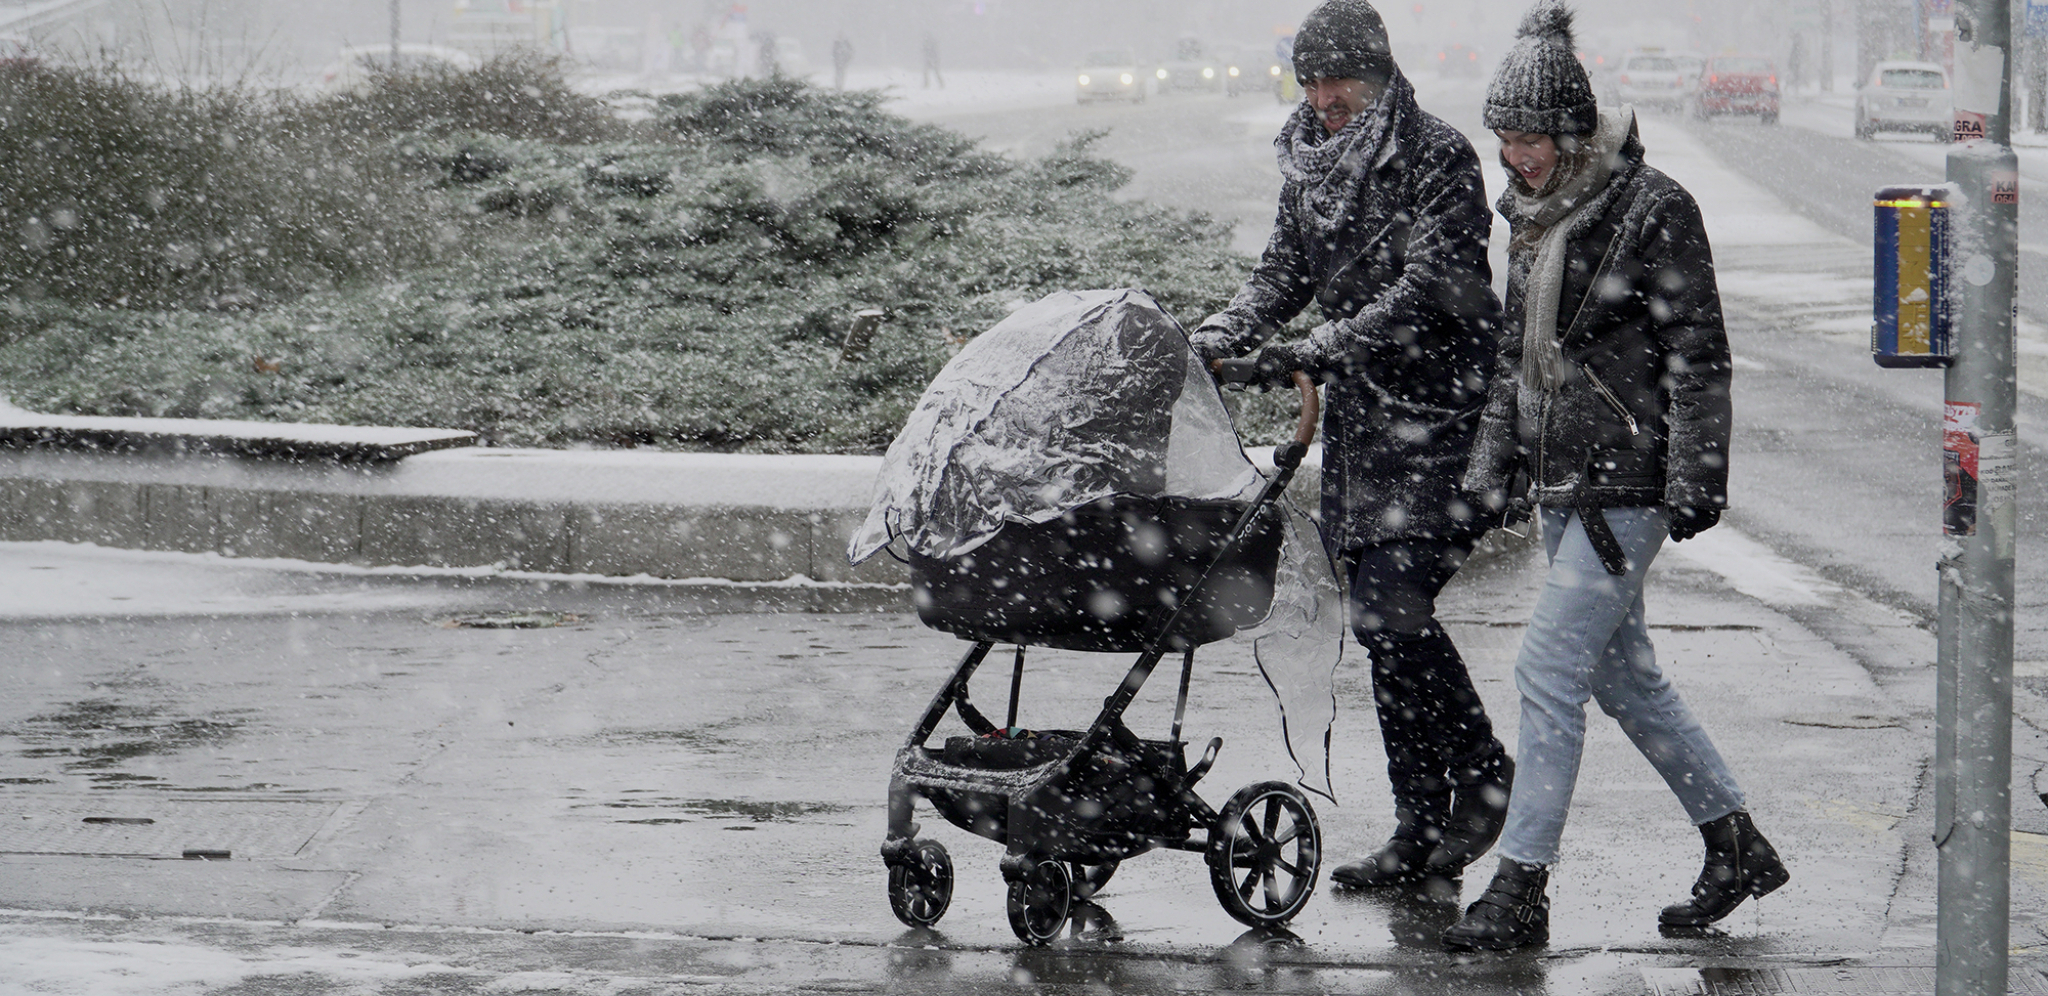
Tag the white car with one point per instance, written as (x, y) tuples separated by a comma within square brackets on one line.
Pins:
[(1905, 96), (1109, 74), (1654, 78), (352, 69)]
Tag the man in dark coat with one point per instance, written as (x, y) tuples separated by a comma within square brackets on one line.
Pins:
[(1383, 225)]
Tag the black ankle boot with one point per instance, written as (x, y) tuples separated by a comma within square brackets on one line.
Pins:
[(1399, 862), (1479, 809), (1740, 864), (1513, 912)]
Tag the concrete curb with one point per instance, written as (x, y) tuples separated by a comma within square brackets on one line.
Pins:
[(613, 513)]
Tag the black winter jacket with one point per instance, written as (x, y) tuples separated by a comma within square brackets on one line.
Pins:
[(1643, 416), (1407, 343)]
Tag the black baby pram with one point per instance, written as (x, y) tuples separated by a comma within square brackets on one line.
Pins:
[(1159, 560)]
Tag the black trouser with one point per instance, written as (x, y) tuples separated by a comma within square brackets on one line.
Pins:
[(1431, 719)]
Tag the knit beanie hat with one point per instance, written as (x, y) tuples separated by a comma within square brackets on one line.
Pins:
[(1540, 86), (1343, 40)]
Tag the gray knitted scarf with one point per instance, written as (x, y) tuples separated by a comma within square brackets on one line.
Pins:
[(1543, 221), (1331, 169)]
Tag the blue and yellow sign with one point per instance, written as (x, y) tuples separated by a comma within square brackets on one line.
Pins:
[(1910, 301)]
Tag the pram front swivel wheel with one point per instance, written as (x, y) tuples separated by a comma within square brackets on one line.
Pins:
[(1090, 879), (1265, 853), (920, 890), (1040, 902)]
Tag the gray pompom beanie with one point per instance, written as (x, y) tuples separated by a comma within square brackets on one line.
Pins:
[(1343, 40), (1540, 86)]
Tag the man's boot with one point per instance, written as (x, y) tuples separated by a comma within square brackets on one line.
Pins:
[(1512, 913), (1479, 809), (1398, 862), (1740, 864)]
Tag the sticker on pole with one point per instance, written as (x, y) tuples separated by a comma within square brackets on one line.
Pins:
[(2005, 187), (1969, 126), (1959, 468)]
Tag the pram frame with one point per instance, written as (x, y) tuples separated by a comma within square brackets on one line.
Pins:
[(1032, 831)]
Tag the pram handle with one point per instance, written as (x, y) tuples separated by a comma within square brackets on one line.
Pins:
[(1311, 409), (1246, 371)]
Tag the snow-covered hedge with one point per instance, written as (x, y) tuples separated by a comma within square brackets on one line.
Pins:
[(685, 284)]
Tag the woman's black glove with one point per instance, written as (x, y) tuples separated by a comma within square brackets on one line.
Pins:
[(1688, 521)]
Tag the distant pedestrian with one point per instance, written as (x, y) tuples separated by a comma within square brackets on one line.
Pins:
[(842, 56), (1612, 394), (931, 62), (766, 61)]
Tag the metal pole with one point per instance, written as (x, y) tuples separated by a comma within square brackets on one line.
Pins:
[(1974, 685), (394, 35)]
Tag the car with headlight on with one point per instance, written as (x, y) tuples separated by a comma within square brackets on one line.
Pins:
[(1189, 66), (1244, 70), (1737, 84), (1905, 96), (1109, 74)]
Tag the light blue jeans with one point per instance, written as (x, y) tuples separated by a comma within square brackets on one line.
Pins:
[(1587, 638)]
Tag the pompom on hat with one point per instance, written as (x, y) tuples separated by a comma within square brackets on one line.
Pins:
[(1343, 40), (1540, 86)]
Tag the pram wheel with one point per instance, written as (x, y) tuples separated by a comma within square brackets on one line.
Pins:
[(1041, 901), (920, 891), (1265, 853), (1089, 879)]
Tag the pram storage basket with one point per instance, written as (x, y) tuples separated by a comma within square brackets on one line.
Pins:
[(1105, 576)]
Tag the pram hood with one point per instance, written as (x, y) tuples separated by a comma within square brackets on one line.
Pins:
[(1078, 397)]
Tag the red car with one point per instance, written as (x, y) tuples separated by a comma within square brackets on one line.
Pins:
[(1738, 84)]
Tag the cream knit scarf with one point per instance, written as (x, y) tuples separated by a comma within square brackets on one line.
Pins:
[(1547, 218)]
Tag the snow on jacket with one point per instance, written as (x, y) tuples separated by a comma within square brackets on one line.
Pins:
[(1642, 418), (1402, 281)]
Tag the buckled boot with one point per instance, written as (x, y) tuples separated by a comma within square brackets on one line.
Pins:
[(1740, 864), (1479, 809), (1398, 862), (1513, 912)]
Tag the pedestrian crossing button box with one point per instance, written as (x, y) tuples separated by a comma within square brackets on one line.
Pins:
[(1910, 300)]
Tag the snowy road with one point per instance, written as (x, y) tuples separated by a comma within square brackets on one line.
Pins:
[(656, 799)]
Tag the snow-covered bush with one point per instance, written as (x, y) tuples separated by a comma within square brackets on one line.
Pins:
[(120, 193), (688, 285)]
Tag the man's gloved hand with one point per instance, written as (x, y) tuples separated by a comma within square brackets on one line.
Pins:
[(1688, 521), (1276, 366), (1210, 345)]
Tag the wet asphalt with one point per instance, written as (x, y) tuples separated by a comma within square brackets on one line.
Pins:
[(651, 794)]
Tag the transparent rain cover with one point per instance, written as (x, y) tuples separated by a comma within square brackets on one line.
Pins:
[(1085, 395)]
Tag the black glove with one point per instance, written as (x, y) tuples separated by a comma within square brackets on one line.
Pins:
[(1688, 521), (1210, 345), (1276, 366)]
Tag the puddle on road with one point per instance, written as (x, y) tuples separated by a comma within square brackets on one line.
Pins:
[(96, 737), (746, 812)]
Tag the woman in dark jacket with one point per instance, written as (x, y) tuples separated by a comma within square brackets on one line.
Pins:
[(1611, 394)]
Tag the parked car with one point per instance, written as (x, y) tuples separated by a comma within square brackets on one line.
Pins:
[(1905, 96), (352, 69), (1109, 74), (1189, 66), (1738, 84), (1653, 78), (1459, 60)]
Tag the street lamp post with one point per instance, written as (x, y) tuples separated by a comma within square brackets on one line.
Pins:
[(394, 35), (1973, 700)]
